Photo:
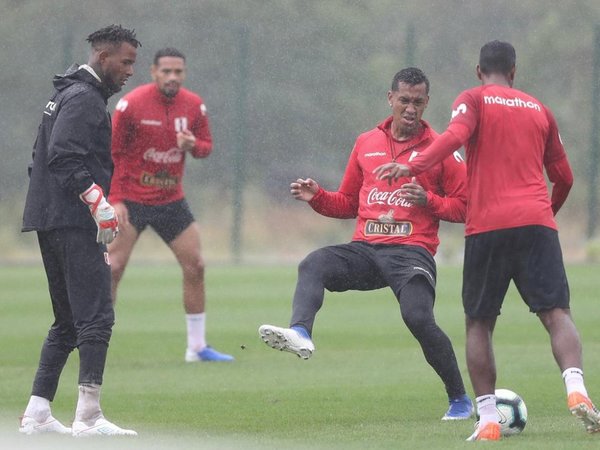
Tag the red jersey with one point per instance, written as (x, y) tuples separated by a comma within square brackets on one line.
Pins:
[(148, 164), (509, 138), (383, 217)]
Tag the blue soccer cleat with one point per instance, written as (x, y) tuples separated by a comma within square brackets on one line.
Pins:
[(208, 354), (461, 408)]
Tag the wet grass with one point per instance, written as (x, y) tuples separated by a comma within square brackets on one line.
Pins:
[(367, 385)]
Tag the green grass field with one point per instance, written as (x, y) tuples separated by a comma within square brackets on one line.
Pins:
[(367, 385)]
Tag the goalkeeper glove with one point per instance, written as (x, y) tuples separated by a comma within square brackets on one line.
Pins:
[(102, 212)]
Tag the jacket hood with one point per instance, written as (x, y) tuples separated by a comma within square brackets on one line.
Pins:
[(75, 74)]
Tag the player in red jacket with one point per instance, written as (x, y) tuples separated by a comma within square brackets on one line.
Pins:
[(510, 137), (154, 127), (395, 239)]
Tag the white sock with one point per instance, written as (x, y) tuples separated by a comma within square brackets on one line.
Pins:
[(38, 408), (196, 336), (88, 404), (574, 380), (486, 407)]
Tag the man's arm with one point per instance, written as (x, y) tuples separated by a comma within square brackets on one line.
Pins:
[(198, 141), (122, 130), (444, 145), (452, 206), (342, 204), (70, 143), (465, 117), (557, 165), (561, 177)]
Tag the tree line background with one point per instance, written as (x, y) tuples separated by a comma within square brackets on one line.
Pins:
[(289, 85)]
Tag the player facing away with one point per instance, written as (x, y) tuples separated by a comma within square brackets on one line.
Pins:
[(66, 205), (155, 126), (395, 238), (511, 234)]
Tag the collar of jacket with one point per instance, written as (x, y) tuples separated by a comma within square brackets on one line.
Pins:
[(424, 134), (76, 73), (162, 98)]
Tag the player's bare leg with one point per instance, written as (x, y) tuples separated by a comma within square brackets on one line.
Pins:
[(119, 252), (566, 348), (564, 338), (482, 371), (187, 249), (480, 355)]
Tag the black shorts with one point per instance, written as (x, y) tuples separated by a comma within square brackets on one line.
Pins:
[(530, 256), (362, 266), (168, 220)]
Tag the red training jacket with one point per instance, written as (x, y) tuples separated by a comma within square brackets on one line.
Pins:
[(148, 164), (383, 217)]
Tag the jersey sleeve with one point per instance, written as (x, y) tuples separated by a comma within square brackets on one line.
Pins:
[(465, 116), (201, 130), (122, 129), (557, 165), (342, 204), (452, 205), (554, 150), (444, 145)]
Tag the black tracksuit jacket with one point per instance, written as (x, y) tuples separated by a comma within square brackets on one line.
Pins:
[(72, 151)]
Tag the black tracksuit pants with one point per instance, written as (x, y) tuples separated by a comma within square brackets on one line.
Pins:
[(407, 269), (79, 282)]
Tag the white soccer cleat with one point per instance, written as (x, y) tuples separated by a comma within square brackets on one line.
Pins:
[(102, 427), (293, 340), (30, 426)]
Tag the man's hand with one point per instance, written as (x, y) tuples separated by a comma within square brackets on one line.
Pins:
[(304, 190), (414, 193), (102, 212), (391, 172), (186, 140), (122, 213)]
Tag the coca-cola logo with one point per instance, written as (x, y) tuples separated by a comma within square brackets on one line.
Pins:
[(171, 156), (393, 198)]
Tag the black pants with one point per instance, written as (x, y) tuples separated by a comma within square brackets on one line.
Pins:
[(79, 283), (408, 270)]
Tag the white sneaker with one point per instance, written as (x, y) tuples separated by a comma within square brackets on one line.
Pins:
[(290, 340), (30, 426), (102, 427)]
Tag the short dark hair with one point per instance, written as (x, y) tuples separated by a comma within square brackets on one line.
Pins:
[(497, 57), (411, 76), (113, 34), (168, 51)]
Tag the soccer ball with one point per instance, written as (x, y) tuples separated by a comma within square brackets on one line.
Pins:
[(512, 411)]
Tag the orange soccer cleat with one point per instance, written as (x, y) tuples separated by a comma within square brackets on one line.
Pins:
[(583, 408), (489, 432)]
